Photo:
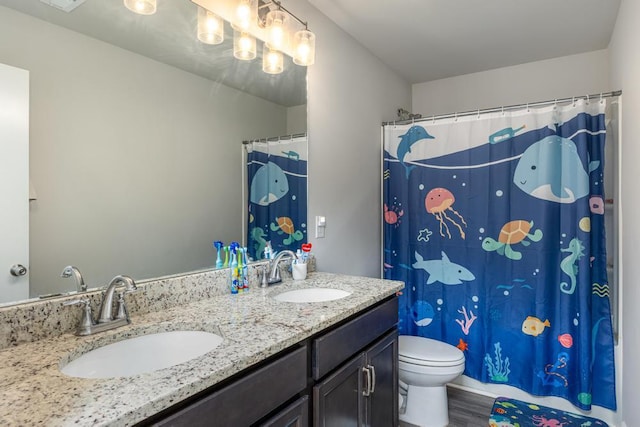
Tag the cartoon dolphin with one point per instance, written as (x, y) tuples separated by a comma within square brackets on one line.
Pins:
[(413, 135), (443, 270), (551, 169), (268, 185)]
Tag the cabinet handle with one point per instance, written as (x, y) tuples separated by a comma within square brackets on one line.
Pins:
[(366, 390), (373, 378)]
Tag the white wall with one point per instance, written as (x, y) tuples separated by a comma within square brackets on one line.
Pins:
[(127, 150), (350, 94), (625, 74), (581, 74), (297, 119)]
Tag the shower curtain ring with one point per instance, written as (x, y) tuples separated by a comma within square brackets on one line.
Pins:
[(587, 99), (478, 117), (528, 107), (503, 110), (455, 117), (433, 119), (601, 98), (573, 101)]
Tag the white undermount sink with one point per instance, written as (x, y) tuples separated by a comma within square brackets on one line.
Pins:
[(142, 354), (312, 295)]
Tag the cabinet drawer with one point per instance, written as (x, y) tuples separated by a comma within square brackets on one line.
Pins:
[(333, 348), (250, 398)]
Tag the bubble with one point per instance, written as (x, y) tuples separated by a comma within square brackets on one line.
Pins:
[(564, 235), (481, 230), (575, 322), (455, 176), (421, 186), (480, 238), (475, 306), (293, 197), (537, 270), (439, 309), (506, 293), (303, 225), (439, 301), (464, 184), (561, 242), (474, 298), (414, 288), (499, 193)]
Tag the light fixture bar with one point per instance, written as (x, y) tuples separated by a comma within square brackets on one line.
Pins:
[(280, 6)]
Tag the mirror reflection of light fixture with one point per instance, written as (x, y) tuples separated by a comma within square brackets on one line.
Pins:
[(210, 27), (305, 48), (278, 37), (246, 15), (244, 46), (272, 60), (142, 7)]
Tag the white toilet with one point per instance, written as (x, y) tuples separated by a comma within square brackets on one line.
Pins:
[(426, 366)]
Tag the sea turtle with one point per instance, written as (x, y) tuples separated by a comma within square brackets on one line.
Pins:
[(285, 225), (511, 233)]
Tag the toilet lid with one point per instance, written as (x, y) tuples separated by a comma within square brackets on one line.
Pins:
[(419, 350)]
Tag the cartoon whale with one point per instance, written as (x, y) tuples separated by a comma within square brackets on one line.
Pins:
[(443, 270), (268, 185), (413, 135), (551, 169)]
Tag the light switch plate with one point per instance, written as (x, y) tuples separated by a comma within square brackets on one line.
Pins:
[(321, 224)]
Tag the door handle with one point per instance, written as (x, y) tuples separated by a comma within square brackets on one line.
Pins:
[(367, 388), (18, 270), (373, 378)]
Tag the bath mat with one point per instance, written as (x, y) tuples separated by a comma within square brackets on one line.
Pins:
[(515, 413)]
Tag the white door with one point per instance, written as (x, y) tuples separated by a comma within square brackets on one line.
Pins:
[(14, 183)]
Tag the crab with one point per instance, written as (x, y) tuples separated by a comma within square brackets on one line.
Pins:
[(393, 215)]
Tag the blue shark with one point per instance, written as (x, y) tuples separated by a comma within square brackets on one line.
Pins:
[(268, 185), (443, 270), (551, 169), (413, 135)]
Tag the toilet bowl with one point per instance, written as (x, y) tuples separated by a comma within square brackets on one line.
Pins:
[(425, 367)]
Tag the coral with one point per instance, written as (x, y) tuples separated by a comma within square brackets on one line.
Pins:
[(498, 371), (468, 320)]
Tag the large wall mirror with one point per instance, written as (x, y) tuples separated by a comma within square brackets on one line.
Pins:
[(135, 135)]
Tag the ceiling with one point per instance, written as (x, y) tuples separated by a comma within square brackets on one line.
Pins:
[(424, 40), (169, 36)]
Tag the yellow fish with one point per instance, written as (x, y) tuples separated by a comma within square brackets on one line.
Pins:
[(534, 326)]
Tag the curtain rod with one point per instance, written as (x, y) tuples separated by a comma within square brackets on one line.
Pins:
[(505, 108), (276, 138)]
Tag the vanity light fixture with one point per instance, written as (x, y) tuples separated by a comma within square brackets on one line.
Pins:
[(272, 60), (210, 27), (278, 36), (246, 14), (142, 7), (244, 46), (305, 48)]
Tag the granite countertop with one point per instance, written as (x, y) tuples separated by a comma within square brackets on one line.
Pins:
[(254, 326)]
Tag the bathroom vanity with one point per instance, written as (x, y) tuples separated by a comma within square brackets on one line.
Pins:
[(280, 364)]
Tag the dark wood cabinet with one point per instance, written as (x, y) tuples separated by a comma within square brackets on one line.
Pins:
[(362, 392), (351, 370)]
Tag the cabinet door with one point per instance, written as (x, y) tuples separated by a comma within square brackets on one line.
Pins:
[(294, 415), (338, 400), (382, 403)]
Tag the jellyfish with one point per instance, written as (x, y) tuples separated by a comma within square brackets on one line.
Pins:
[(438, 202)]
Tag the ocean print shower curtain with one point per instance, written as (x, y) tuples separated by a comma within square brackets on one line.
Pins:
[(277, 189), (495, 223)]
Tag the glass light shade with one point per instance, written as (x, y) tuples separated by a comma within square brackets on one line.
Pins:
[(244, 46), (210, 27), (276, 25), (246, 15), (142, 7), (272, 60), (304, 42)]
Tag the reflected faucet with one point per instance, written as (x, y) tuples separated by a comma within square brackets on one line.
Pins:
[(71, 271), (272, 271)]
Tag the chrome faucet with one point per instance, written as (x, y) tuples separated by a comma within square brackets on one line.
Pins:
[(71, 271), (106, 320), (272, 272)]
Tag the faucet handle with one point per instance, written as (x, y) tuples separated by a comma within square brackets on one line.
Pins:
[(86, 322), (123, 313)]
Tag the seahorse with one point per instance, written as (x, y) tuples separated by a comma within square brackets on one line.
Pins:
[(569, 265), (257, 234)]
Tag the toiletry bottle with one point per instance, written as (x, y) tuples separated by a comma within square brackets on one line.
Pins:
[(218, 245), (233, 271), (245, 270)]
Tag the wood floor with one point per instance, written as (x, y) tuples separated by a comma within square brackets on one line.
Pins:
[(466, 409)]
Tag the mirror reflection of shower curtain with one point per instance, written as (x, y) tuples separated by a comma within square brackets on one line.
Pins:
[(277, 194)]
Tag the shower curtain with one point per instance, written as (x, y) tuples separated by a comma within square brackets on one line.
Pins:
[(495, 223), (277, 189)]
